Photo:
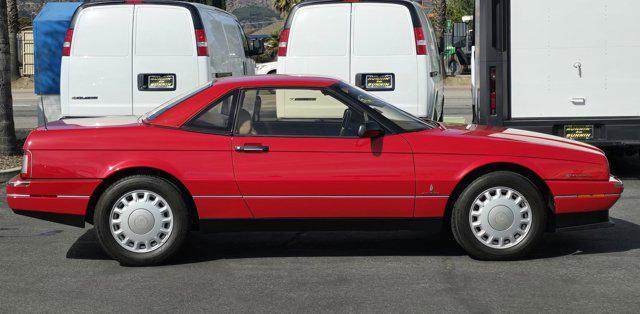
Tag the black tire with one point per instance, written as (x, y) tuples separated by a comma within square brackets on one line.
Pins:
[(166, 190), (461, 226), (441, 117), (272, 72)]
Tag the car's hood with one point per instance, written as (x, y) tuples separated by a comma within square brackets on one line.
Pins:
[(483, 140)]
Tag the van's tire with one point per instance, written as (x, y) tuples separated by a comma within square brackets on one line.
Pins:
[(441, 117), (516, 219), (272, 72), (150, 212)]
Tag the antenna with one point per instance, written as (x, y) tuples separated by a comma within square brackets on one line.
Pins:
[(44, 114)]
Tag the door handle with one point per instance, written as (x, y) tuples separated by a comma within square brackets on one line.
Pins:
[(433, 74), (249, 149)]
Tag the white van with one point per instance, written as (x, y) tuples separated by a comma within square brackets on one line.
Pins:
[(127, 57), (385, 47)]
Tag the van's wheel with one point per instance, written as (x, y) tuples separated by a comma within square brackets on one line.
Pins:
[(499, 216), (272, 72), (441, 118), (141, 220)]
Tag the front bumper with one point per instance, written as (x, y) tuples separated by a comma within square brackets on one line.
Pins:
[(58, 200), (580, 205)]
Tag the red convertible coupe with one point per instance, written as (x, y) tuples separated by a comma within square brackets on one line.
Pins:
[(291, 153)]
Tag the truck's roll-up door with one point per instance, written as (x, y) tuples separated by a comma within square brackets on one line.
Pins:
[(574, 58)]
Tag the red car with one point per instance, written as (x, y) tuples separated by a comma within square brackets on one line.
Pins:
[(293, 153)]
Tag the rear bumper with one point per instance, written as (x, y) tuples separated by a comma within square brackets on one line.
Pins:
[(583, 205), (59, 200), (608, 132)]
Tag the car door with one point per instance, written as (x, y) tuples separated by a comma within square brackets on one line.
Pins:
[(296, 155)]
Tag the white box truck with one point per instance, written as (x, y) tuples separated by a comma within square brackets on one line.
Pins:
[(386, 47), (565, 68), (128, 57)]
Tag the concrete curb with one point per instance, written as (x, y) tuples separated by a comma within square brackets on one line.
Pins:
[(7, 174)]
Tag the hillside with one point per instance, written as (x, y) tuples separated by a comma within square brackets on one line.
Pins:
[(30, 8)]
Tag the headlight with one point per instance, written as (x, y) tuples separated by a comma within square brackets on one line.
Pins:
[(26, 165)]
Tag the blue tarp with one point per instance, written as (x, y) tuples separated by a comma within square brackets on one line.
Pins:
[(49, 29)]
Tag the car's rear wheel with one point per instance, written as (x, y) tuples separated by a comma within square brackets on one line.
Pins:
[(141, 220), (499, 216)]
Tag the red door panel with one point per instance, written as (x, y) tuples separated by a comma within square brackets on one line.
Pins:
[(326, 177)]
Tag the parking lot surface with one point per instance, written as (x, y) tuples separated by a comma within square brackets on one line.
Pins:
[(46, 267)]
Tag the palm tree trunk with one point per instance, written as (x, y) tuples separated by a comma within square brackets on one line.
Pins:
[(14, 28), (440, 10), (8, 143)]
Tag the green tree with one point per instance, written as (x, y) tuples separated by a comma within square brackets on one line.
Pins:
[(456, 9), (284, 6), (8, 144)]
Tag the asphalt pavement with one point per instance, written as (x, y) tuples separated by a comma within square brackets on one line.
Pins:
[(46, 267)]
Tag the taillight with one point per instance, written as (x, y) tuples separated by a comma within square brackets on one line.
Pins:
[(25, 172), (201, 43), (421, 42), (492, 90), (282, 44), (66, 46)]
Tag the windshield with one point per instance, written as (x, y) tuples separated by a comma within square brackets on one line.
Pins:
[(151, 115), (404, 120)]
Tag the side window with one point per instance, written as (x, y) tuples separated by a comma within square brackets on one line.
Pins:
[(233, 38), (296, 112), (217, 117)]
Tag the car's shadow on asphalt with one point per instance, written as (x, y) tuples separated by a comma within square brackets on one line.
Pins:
[(625, 236)]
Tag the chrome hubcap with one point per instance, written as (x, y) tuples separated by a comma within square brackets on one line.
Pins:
[(141, 221), (500, 217)]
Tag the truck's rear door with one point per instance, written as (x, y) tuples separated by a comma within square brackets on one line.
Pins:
[(568, 62)]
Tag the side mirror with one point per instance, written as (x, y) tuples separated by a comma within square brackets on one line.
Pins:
[(256, 47), (370, 129)]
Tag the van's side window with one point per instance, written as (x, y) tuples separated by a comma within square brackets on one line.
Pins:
[(218, 41), (295, 112), (233, 37)]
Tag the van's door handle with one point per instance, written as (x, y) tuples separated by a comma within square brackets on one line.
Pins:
[(248, 149), (433, 74)]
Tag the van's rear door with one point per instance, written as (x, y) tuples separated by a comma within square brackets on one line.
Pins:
[(384, 50), (99, 67), (325, 52), (165, 61)]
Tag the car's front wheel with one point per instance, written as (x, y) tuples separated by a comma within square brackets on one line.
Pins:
[(141, 220), (499, 216)]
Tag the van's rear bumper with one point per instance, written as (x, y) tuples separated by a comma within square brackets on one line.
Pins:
[(58, 200), (608, 132)]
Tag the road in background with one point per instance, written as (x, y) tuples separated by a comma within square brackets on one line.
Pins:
[(457, 103)]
